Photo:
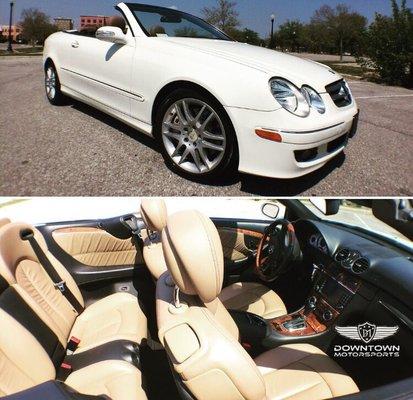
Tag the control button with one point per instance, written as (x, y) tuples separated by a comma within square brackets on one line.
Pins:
[(312, 302), (327, 315)]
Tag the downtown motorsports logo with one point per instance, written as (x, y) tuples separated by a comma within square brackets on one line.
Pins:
[(367, 333)]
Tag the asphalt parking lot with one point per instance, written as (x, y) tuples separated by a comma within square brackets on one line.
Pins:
[(77, 151)]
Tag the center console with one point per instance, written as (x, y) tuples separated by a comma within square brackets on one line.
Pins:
[(332, 291)]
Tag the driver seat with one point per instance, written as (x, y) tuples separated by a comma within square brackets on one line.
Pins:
[(242, 296), (202, 339)]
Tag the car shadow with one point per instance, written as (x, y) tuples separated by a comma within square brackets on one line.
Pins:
[(249, 184), (289, 187), (115, 124)]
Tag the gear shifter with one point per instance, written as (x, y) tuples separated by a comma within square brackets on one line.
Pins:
[(296, 324)]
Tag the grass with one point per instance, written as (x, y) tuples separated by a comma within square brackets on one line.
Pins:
[(343, 69)]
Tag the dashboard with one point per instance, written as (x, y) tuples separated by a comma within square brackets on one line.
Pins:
[(356, 261)]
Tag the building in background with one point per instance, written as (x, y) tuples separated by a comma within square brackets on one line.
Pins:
[(64, 24), (92, 20), (16, 32)]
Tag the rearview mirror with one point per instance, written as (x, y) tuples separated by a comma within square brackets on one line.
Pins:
[(327, 207), (270, 210), (111, 34)]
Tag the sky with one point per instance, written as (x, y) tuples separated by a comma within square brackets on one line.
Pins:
[(254, 14)]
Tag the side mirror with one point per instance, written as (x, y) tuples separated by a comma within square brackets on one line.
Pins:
[(327, 207), (111, 34), (270, 210)]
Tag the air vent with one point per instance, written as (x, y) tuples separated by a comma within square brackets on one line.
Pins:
[(342, 255), (360, 266)]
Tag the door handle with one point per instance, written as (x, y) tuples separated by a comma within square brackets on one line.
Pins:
[(75, 45)]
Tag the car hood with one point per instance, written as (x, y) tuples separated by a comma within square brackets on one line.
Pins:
[(299, 71)]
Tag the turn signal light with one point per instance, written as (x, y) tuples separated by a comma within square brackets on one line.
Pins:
[(274, 136)]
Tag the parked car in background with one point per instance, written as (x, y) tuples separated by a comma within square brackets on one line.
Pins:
[(213, 104)]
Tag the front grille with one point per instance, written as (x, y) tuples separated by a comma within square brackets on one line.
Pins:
[(340, 93)]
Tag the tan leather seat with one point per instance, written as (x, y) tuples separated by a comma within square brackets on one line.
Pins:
[(244, 296), (117, 317), (254, 298), (4, 221), (25, 364), (201, 338), (117, 21)]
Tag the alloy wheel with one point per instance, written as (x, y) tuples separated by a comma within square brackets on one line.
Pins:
[(50, 82), (194, 136)]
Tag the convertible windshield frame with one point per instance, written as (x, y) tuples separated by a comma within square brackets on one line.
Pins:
[(135, 8)]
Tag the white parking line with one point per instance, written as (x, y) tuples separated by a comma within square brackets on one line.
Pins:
[(384, 97)]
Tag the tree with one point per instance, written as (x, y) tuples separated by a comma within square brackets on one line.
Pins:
[(224, 16), (36, 26), (246, 36), (290, 36), (389, 46), (339, 27)]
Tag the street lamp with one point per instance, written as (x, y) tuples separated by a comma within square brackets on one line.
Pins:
[(10, 48), (272, 30)]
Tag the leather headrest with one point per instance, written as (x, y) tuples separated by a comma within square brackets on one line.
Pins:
[(13, 249), (4, 221), (193, 254), (154, 214), (117, 21)]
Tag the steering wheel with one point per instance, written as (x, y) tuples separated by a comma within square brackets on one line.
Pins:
[(278, 247)]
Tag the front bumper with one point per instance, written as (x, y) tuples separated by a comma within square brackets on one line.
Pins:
[(306, 149)]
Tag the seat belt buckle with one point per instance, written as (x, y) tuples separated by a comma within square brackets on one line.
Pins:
[(64, 371), (61, 286), (72, 345)]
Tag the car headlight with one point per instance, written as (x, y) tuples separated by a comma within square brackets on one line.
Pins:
[(289, 97), (314, 99)]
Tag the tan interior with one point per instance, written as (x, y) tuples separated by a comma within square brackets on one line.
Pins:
[(253, 297), (21, 268), (23, 361), (97, 248), (4, 221), (214, 359)]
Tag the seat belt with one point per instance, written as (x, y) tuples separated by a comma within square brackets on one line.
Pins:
[(58, 282)]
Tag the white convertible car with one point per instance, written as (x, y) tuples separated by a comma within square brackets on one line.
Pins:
[(213, 104)]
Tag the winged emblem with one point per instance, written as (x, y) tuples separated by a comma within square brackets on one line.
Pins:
[(367, 332)]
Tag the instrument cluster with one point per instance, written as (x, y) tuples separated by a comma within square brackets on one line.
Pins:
[(318, 242)]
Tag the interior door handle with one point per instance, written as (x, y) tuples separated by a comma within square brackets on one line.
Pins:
[(75, 45)]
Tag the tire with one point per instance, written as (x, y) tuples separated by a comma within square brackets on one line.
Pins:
[(52, 86), (190, 148)]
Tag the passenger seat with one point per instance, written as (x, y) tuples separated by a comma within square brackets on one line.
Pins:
[(33, 307)]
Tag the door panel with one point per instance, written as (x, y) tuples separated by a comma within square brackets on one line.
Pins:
[(101, 255), (240, 239), (97, 248), (101, 71), (238, 244)]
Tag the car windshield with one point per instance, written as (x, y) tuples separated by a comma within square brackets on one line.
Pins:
[(163, 22), (355, 215)]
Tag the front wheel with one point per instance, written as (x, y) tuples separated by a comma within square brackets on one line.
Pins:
[(52, 86), (196, 135)]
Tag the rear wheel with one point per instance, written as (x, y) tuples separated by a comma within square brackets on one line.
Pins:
[(196, 135), (52, 86)]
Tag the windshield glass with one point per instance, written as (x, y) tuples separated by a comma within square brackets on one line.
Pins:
[(355, 215), (163, 22)]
